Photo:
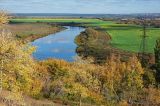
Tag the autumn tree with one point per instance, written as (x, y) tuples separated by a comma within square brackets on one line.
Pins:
[(18, 66), (4, 18), (93, 43), (18, 69)]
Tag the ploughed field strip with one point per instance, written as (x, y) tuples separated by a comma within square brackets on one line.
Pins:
[(124, 36)]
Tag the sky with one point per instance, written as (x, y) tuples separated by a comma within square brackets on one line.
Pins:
[(81, 6)]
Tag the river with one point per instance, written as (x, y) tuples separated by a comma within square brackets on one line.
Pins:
[(59, 45)]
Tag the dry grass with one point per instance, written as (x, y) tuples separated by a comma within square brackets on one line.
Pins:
[(32, 31), (28, 101)]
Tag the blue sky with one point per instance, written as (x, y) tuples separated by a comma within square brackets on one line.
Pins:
[(81, 6)]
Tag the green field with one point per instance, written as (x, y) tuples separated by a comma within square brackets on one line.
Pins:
[(56, 20), (125, 37)]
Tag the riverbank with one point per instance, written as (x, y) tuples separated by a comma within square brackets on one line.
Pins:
[(30, 32)]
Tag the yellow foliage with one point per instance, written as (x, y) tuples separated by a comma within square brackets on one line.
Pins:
[(18, 65), (153, 96), (91, 80), (3, 17), (123, 103)]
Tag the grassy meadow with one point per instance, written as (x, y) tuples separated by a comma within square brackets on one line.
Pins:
[(124, 36)]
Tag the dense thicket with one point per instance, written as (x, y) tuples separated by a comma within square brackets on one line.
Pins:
[(93, 43), (113, 83)]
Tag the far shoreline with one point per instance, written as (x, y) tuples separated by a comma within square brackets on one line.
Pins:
[(28, 32)]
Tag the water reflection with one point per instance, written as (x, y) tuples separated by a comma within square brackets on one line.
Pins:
[(60, 45)]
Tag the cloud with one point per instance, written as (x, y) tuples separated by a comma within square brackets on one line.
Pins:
[(81, 6)]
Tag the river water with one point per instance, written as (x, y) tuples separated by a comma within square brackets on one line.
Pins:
[(60, 45)]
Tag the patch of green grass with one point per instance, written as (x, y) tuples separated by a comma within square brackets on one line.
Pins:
[(129, 37), (125, 37)]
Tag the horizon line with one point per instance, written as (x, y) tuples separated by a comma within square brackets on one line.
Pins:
[(89, 13)]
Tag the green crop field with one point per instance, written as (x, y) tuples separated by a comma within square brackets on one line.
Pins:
[(55, 20), (125, 37)]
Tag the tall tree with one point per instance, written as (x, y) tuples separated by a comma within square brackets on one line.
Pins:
[(3, 17), (3, 20), (157, 59)]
